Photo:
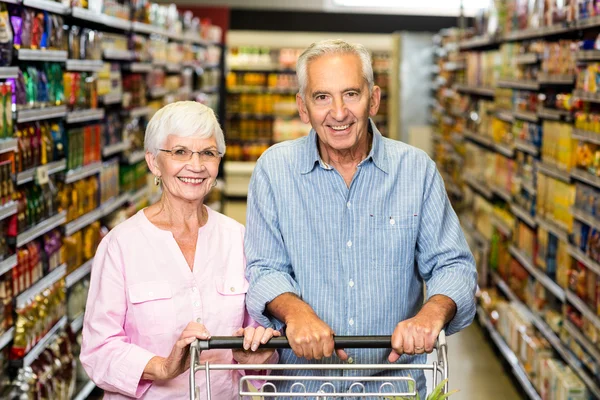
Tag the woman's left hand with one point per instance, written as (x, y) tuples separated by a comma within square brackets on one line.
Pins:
[(253, 338)]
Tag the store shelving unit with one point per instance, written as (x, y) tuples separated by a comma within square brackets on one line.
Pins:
[(524, 164), (127, 201)]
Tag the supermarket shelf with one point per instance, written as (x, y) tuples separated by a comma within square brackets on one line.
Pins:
[(584, 259), (8, 210), (509, 356), (85, 391), (556, 79), (136, 157), (83, 221), (8, 264), (504, 150), (77, 323), (53, 168), (140, 111), (7, 337), (479, 139), (501, 226), (48, 5), (118, 55), (583, 341), (113, 22), (74, 117), (148, 29), (518, 84), (139, 195), (40, 114), (239, 167), (502, 193), (44, 283), (586, 96), (85, 65), (115, 203), (586, 177), (553, 228), (274, 68), (77, 275), (505, 115), (116, 148), (215, 89), (586, 217), (454, 66), (158, 92), (39, 348), (583, 308), (9, 72), (586, 136), (41, 228), (551, 170), (523, 215), (587, 55), (478, 42), (553, 114), (140, 67), (528, 187), (526, 116), (538, 274), (112, 98), (8, 145), (173, 67), (480, 188), (194, 38), (527, 58), (42, 55), (261, 90), (526, 147)]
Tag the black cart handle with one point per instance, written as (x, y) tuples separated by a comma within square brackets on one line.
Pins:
[(281, 342)]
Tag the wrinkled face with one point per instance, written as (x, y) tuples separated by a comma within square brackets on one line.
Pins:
[(187, 180), (337, 101)]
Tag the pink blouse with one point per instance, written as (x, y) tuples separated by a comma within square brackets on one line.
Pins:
[(143, 294)]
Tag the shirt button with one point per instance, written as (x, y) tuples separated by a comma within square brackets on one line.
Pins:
[(349, 244), (197, 304), (392, 221), (348, 204), (351, 321), (232, 289), (350, 360), (351, 283)]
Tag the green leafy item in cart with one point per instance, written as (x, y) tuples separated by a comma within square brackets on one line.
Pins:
[(435, 395)]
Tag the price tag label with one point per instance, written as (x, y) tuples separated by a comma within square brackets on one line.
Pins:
[(41, 175)]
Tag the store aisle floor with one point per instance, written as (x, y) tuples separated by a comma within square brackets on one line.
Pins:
[(475, 369)]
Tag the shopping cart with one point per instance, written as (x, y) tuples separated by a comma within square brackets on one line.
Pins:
[(439, 370)]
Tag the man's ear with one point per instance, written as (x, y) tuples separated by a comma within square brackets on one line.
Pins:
[(302, 110), (374, 101)]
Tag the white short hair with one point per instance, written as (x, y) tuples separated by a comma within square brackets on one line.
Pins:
[(333, 46), (185, 119)]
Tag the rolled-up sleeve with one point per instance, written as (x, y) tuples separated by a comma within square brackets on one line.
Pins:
[(112, 362), (269, 270), (443, 255)]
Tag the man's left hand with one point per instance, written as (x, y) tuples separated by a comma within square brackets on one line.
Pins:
[(417, 335)]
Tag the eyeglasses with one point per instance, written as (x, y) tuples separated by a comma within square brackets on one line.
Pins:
[(183, 154)]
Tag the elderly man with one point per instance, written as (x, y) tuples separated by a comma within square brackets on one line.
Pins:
[(345, 226)]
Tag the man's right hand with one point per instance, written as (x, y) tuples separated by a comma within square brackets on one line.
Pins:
[(307, 334)]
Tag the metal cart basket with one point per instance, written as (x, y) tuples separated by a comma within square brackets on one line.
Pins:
[(438, 369)]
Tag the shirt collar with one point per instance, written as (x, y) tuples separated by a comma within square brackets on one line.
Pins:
[(377, 153)]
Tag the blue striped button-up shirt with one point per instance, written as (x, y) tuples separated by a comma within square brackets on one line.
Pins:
[(358, 255)]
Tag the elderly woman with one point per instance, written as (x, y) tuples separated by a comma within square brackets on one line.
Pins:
[(170, 274)]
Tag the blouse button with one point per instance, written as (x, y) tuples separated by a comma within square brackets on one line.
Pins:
[(392, 222), (232, 289)]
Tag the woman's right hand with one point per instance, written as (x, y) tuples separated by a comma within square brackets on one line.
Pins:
[(160, 369)]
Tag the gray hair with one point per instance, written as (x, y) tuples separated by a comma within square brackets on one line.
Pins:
[(333, 46), (185, 119)]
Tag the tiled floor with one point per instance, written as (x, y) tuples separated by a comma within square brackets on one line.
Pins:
[(475, 368)]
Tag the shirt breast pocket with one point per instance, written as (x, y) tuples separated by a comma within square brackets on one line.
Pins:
[(393, 239), (231, 307), (153, 307)]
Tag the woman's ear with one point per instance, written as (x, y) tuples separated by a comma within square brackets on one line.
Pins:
[(152, 164)]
